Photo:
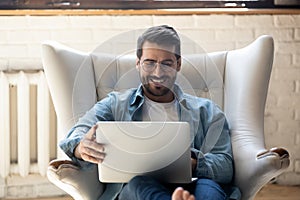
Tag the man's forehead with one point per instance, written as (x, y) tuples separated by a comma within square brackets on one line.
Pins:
[(160, 47)]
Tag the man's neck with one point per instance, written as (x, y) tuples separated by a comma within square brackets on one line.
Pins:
[(169, 97)]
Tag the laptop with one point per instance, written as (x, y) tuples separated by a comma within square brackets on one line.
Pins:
[(158, 149)]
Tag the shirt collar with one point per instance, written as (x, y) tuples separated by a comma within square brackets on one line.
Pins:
[(137, 96)]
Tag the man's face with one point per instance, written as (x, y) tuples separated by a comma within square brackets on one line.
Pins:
[(158, 68)]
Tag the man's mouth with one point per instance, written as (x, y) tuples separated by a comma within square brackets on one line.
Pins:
[(157, 81)]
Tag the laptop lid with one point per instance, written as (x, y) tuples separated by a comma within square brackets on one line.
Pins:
[(159, 149)]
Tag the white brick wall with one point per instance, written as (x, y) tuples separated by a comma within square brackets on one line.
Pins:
[(21, 36)]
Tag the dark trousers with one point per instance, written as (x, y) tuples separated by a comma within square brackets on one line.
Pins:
[(147, 188)]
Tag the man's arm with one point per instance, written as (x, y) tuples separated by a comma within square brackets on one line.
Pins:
[(213, 153), (79, 144)]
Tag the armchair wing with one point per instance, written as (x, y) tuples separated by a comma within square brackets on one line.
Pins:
[(247, 78)]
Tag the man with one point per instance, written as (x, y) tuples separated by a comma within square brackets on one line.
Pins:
[(158, 98)]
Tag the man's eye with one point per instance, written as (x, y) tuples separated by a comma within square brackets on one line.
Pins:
[(150, 63), (167, 64)]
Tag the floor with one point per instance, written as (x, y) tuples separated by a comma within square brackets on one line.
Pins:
[(275, 192), (269, 192)]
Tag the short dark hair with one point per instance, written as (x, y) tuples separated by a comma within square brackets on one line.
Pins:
[(162, 35)]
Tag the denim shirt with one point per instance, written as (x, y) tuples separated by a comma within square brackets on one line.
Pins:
[(210, 145)]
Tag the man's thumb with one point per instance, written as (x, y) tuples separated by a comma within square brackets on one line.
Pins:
[(92, 132)]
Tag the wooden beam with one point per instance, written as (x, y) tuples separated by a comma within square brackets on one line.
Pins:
[(200, 11)]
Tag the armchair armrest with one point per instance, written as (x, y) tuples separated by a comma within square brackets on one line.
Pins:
[(268, 164), (81, 184), (280, 152)]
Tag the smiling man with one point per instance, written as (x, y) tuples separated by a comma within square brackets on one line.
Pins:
[(158, 67), (158, 98)]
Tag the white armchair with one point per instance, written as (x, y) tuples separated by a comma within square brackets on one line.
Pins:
[(77, 80)]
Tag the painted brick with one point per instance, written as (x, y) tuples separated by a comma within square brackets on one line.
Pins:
[(296, 60), (20, 36), (291, 127), (282, 60), (130, 22), (281, 113), (254, 21), (271, 100), (97, 22), (297, 166), (235, 35), (279, 138), (49, 22), (289, 178), (3, 36), (287, 21), (34, 50), (40, 35), (288, 47), (204, 35), (290, 74), (85, 47), (286, 34), (179, 22), (297, 86), (3, 64), (297, 33), (100, 36), (72, 35), (212, 46), (288, 102), (214, 21), (11, 50), (281, 87), (297, 141), (13, 22), (271, 125)]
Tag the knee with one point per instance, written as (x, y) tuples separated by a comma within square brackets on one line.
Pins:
[(138, 181), (134, 188), (209, 189)]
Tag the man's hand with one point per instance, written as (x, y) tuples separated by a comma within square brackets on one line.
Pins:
[(88, 149)]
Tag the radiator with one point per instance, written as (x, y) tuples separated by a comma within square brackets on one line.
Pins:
[(27, 124)]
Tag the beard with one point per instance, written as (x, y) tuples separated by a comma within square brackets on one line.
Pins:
[(158, 86)]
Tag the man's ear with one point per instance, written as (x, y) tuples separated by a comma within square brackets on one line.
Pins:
[(137, 64), (178, 64)]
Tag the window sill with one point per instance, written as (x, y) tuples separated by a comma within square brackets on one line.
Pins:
[(200, 11)]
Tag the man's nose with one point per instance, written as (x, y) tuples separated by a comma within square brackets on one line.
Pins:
[(158, 71)]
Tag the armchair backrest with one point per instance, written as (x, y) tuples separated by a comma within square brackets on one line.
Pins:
[(236, 80)]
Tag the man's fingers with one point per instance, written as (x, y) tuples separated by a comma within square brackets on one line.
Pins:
[(92, 159), (92, 153), (90, 144), (91, 134), (92, 148)]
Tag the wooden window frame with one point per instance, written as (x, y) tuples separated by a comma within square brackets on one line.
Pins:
[(146, 4)]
